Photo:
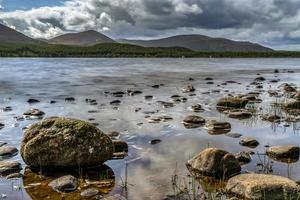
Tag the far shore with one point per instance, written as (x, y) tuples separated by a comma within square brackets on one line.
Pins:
[(114, 50)]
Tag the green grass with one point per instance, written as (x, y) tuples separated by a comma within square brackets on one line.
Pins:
[(124, 50)]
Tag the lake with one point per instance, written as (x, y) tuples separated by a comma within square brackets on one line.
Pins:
[(148, 168)]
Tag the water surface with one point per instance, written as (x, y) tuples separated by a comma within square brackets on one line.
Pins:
[(150, 167)]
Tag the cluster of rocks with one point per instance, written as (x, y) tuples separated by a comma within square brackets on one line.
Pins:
[(220, 164), (9, 168), (235, 107)]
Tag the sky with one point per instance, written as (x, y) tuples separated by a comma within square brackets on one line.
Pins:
[(274, 23)]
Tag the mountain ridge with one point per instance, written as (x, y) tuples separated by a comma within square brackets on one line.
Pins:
[(198, 43), (201, 43)]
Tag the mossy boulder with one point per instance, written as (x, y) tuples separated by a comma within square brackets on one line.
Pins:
[(65, 143)]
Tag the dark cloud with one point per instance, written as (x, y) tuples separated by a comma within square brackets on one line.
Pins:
[(158, 7)]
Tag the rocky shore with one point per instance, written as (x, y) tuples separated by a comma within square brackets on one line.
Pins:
[(69, 158)]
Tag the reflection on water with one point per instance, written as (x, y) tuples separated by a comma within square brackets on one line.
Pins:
[(101, 179), (150, 167)]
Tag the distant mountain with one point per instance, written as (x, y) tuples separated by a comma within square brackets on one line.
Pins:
[(86, 38), (201, 43), (10, 35)]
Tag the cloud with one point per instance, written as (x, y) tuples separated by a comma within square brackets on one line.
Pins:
[(271, 22)]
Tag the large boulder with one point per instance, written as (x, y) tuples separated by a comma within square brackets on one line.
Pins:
[(215, 163), (262, 186), (63, 143)]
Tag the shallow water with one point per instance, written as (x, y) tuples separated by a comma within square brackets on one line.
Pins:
[(150, 167)]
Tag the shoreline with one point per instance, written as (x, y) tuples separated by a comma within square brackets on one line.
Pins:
[(116, 50)]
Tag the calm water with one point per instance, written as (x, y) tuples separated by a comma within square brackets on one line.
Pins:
[(150, 167)]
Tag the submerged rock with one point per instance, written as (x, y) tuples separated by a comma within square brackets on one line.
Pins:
[(31, 101), (7, 109), (284, 153), (155, 141), (215, 163), (149, 97), (189, 88), (115, 197), (249, 142), (232, 102), (234, 135), (271, 118), (8, 151), (217, 127), (14, 176), (134, 92), (166, 104), (259, 79), (89, 192), (113, 134), (193, 121), (64, 184), (296, 96), (288, 88), (292, 104), (262, 186), (115, 102), (120, 146), (243, 157), (197, 108), (34, 113), (240, 115), (118, 94), (178, 98), (9, 167), (70, 99), (91, 102), (65, 142)]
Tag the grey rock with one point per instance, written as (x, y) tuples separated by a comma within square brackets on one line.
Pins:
[(66, 183)]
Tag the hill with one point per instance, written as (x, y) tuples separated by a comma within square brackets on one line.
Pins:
[(201, 43), (86, 38), (10, 35)]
